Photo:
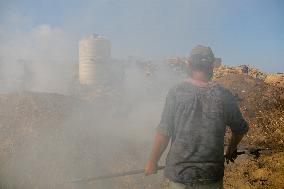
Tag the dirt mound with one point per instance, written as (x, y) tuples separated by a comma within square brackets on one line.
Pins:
[(28, 105), (242, 69), (275, 79), (48, 139), (27, 118), (272, 79), (263, 106)]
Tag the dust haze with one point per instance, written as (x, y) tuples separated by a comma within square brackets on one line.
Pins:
[(59, 130), (54, 129)]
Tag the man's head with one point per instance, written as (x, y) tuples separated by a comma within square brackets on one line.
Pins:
[(201, 62)]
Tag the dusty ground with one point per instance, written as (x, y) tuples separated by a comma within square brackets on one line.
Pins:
[(263, 106), (48, 138)]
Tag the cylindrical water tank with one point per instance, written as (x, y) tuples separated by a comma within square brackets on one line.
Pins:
[(94, 52)]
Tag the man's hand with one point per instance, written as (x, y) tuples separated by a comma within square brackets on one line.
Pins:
[(160, 143), (232, 152), (231, 155), (150, 168)]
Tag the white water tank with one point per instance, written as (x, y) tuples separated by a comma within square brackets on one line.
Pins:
[(94, 53)]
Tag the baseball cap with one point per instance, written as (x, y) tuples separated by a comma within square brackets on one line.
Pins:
[(202, 55)]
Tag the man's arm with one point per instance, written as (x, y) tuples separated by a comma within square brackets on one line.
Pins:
[(231, 153), (160, 144), (163, 134), (235, 120)]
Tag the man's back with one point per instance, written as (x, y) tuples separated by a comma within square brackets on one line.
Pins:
[(195, 118)]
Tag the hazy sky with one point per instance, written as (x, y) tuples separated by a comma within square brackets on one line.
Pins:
[(240, 32)]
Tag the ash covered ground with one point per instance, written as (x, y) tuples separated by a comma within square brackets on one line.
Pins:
[(48, 139)]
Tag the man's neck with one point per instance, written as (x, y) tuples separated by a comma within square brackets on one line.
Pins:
[(200, 76), (198, 82)]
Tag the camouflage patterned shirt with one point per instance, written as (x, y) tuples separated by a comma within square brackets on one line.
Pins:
[(195, 118)]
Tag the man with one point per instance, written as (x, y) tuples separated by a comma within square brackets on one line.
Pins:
[(245, 69), (194, 118)]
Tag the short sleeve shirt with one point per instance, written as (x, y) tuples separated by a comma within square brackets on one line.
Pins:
[(195, 118)]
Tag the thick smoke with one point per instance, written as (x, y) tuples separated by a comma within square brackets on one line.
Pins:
[(42, 59), (48, 139), (111, 134), (85, 131)]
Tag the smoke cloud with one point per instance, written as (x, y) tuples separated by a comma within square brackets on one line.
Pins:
[(54, 130), (41, 59)]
